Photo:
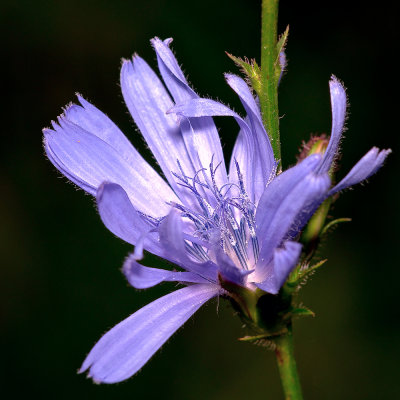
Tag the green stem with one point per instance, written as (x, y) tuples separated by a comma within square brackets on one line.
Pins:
[(269, 81), (287, 366)]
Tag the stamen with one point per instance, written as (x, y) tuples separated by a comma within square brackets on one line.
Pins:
[(218, 224)]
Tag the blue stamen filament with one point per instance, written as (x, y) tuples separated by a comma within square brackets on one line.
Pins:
[(218, 224)]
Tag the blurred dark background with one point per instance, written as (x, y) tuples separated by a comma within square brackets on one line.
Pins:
[(61, 285)]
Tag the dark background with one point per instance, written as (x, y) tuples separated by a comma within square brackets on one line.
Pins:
[(60, 282)]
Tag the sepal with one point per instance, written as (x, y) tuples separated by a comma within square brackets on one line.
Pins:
[(300, 274), (303, 312), (264, 313), (264, 340), (244, 300)]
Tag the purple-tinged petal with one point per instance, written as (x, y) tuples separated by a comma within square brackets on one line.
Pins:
[(239, 156), (276, 215), (242, 90), (88, 159), (92, 120), (166, 241), (282, 64), (121, 218), (283, 262), (171, 72), (123, 350), (338, 105), (263, 156), (201, 137), (278, 190), (63, 168), (142, 277), (367, 166), (173, 245), (228, 270), (171, 234), (198, 108), (148, 102)]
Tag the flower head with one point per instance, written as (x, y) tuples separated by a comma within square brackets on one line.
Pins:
[(238, 225)]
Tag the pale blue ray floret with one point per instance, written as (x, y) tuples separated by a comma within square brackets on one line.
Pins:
[(238, 226)]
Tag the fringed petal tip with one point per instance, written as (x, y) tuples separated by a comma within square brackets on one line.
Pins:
[(367, 166), (156, 41), (338, 107), (336, 86)]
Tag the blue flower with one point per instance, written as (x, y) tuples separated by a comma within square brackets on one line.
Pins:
[(238, 225)]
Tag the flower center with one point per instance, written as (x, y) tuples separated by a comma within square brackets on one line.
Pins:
[(219, 216)]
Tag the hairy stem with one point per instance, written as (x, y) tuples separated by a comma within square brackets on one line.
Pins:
[(287, 366), (269, 81)]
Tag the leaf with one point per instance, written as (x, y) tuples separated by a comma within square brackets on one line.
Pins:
[(265, 340), (250, 69), (300, 274), (280, 46), (303, 312), (253, 338), (332, 224), (313, 268)]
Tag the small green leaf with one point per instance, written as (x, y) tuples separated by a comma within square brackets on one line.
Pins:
[(313, 268), (265, 339), (280, 46), (303, 312), (250, 69), (333, 223), (253, 338), (300, 275)]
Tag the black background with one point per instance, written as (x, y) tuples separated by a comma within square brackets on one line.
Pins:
[(60, 282)]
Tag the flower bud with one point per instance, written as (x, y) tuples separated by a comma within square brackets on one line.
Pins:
[(316, 145)]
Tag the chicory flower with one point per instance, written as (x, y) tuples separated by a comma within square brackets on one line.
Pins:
[(238, 225)]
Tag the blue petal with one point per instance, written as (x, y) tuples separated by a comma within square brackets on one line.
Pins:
[(92, 120), (122, 219), (171, 73), (173, 244), (275, 275), (148, 102), (142, 277), (264, 160), (88, 159), (367, 166), (287, 197), (63, 168), (282, 64), (200, 135), (123, 350), (198, 108), (338, 104), (228, 270), (279, 189)]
